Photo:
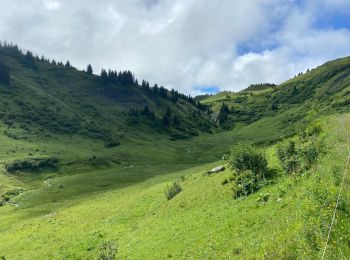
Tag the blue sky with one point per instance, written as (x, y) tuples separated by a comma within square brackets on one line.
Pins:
[(194, 46), (337, 20), (207, 89)]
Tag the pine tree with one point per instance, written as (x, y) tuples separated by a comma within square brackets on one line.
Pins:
[(104, 75), (89, 70), (29, 56), (223, 113), (176, 121), (145, 85), (67, 65), (166, 121), (168, 112), (162, 92), (4, 73), (155, 89), (146, 110), (174, 95)]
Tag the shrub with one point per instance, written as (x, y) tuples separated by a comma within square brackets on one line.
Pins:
[(111, 143), (108, 250), (301, 153), (31, 164), (246, 157), (287, 155), (250, 167), (245, 183), (263, 197), (225, 181), (172, 190)]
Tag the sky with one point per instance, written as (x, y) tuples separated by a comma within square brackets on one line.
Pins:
[(194, 46)]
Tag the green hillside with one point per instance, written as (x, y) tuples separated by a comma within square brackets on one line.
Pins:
[(50, 110), (86, 160), (324, 89)]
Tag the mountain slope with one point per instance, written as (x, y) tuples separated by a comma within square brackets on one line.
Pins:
[(202, 221), (325, 89), (120, 145), (63, 100)]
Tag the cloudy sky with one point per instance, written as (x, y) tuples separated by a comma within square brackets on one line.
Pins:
[(190, 45)]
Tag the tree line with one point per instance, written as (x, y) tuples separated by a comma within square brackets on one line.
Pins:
[(111, 76), (29, 58)]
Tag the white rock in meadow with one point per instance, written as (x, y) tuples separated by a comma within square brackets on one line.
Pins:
[(217, 169)]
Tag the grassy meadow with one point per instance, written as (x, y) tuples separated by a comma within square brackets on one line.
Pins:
[(86, 166), (63, 219)]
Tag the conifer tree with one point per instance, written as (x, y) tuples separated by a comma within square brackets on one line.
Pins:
[(104, 75), (67, 65), (176, 121), (89, 70), (223, 113), (4, 73), (166, 121)]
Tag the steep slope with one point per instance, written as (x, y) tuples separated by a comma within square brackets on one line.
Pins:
[(59, 99), (56, 120)]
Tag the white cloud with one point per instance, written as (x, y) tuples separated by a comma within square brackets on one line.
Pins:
[(52, 5), (184, 43)]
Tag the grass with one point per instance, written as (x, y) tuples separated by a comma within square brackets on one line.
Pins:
[(101, 198), (202, 221)]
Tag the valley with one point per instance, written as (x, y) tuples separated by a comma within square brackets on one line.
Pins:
[(85, 162)]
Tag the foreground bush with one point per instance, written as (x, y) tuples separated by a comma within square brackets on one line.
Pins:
[(172, 190), (245, 183), (246, 157), (107, 250), (302, 152), (249, 164), (31, 164)]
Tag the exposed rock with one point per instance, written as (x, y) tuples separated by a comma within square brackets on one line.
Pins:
[(217, 169)]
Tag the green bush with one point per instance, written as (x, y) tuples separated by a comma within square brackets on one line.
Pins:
[(301, 153), (108, 250), (172, 190), (249, 164), (225, 181), (246, 157), (31, 164), (245, 183), (111, 143), (288, 156)]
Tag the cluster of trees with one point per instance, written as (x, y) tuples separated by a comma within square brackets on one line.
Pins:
[(10, 47), (122, 77), (128, 78), (302, 73), (173, 95), (29, 57), (4, 73), (146, 111), (167, 120), (223, 113), (158, 91)]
